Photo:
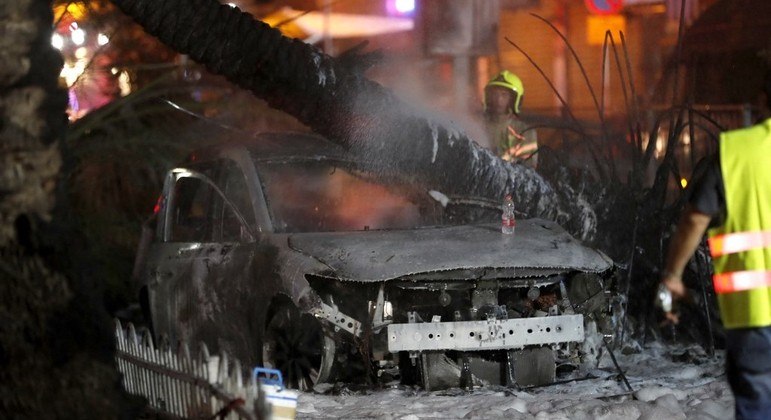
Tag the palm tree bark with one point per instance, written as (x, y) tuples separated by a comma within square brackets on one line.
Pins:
[(55, 348), (334, 99)]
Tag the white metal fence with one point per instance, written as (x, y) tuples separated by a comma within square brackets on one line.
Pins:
[(179, 385)]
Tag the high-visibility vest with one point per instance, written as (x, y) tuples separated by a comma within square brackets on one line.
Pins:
[(741, 248)]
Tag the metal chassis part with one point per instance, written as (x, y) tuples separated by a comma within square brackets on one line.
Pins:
[(338, 319), (491, 334)]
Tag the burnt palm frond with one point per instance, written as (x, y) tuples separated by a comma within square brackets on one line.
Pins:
[(577, 60)]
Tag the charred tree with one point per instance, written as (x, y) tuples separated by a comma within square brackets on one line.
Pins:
[(334, 98)]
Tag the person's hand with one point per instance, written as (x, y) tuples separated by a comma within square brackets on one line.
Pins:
[(512, 154), (673, 284)]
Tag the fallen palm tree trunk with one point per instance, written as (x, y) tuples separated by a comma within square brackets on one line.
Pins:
[(333, 98)]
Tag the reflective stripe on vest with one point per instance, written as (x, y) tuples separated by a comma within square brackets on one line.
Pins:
[(737, 281), (731, 243)]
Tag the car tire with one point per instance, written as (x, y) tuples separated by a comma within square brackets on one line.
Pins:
[(296, 344)]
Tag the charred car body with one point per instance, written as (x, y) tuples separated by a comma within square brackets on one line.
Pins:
[(284, 251)]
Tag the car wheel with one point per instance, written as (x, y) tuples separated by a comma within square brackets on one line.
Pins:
[(297, 345)]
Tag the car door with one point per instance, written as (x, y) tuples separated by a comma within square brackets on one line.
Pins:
[(188, 252), (236, 260)]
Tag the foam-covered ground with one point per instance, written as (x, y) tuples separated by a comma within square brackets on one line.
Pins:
[(667, 382)]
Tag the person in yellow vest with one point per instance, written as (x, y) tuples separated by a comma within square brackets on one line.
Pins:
[(512, 139), (732, 200)]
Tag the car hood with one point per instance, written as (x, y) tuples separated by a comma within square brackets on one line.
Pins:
[(539, 247)]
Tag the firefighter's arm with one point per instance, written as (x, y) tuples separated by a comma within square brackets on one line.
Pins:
[(525, 149), (687, 237), (514, 133)]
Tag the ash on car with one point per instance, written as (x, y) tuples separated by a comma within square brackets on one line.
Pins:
[(285, 251)]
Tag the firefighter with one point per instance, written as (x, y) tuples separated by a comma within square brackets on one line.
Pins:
[(732, 201), (510, 136)]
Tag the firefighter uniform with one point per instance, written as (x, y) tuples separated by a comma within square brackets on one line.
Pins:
[(514, 141), (741, 247)]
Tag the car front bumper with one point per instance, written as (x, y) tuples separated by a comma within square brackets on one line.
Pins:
[(505, 334)]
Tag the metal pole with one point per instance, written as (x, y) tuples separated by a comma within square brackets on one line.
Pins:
[(328, 47), (461, 79)]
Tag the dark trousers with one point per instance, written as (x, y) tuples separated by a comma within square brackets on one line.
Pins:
[(748, 366)]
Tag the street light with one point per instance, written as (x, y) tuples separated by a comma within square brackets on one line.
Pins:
[(400, 7), (405, 6), (78, 36), (57, 41)]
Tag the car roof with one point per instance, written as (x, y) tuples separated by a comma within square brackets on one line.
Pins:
[(269, 146)]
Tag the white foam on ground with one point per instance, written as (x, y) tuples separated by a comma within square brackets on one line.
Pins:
[(664, 389)]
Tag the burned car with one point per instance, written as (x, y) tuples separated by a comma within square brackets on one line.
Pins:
[(285, 251)]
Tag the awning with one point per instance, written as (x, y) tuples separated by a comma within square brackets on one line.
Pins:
[(312, 26)]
